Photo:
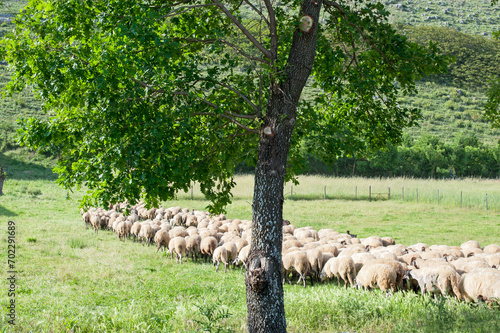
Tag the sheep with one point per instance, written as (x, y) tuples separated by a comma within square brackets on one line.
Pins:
[(341, 268), (207, 246), (178, 232), (361, 258), (493, 259), (315, 258), (146, 234), (178, 220), (232, 251), (419, 247), (492, 248), (220, 254), (372, 242), (128, 228), (242, 257), (388, 241), (240, 244), (443, 279), (193, 246), (296, 261), (395, 264), (121, 231), (465, 266), (191, 220), (177, 245), (349, 251), (161, 239), (136, 228), (329, 248), (377, 275), (479, 282), (86, 219), (95, 220)]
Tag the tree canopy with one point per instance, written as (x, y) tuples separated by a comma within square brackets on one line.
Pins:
[(149, 96)]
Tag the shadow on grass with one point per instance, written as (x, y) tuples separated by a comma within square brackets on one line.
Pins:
[(24, 170), (6, 212)]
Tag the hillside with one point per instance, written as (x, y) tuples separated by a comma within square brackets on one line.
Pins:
[(451, 104)]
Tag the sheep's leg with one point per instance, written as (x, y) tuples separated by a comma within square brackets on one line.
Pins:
[(351, 280), (225, 267), (217, 266)]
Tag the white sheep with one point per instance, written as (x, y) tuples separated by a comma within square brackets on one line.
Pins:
[(177, 245), (95, 220), (232, 251), (146, 234), (193, 246), (296, 261), (380, 276), (242, 257), (208, 246), (442, 279), (121, 231), (315, 258), (492, 248), (161, 239), (479, 282), (220, 255), (342, 268)]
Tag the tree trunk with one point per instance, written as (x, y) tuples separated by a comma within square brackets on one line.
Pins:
[(2, 179), (263, 280)]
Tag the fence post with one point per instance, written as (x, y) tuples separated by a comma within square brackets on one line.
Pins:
[(370, 193), (389, 193)]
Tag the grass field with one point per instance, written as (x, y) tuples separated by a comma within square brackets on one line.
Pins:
[(70, 279)]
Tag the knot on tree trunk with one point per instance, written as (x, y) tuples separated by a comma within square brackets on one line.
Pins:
[(257, 275)]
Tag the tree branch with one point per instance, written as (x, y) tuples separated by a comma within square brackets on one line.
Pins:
[(225, 42), (362, 34), (184, 9), (272, 29), (257, 11), (247, 33)]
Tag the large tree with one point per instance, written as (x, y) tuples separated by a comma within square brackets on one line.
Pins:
[(147, 96)]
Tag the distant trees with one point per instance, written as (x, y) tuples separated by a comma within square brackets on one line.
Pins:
[(425, 157)]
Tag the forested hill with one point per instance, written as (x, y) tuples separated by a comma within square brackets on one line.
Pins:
[(452, 104)]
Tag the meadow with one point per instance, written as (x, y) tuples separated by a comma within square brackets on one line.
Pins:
[(70, 279)]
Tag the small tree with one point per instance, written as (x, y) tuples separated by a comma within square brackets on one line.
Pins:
[(147, 96)]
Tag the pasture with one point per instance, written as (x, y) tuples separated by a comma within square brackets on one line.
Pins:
[(71, 279)]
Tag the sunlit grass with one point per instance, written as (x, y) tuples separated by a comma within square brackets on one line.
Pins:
[(72, 278)]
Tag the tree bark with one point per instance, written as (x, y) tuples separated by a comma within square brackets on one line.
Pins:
[(264, 281)]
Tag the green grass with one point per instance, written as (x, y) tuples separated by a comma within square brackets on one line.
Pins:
[(71, 278)]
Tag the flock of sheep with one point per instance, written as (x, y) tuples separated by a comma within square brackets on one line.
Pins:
[(468, 272)]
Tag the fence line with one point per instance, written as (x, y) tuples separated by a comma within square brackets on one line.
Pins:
[(451, 197)]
